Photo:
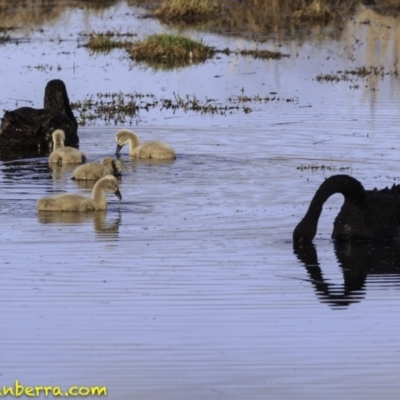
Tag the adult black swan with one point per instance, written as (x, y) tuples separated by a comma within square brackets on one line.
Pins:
[(29, 128), (365, 214)]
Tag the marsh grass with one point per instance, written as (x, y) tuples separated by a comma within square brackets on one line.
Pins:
[(257, 53), (187, 10), (259, 18), (317, 167), (167, 51), (119, 108), (170, 51), (105, 42), (28, 14), (353, 74), (162, 51)]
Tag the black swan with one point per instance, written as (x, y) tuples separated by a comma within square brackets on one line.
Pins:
[(365, 214), (32, 128)]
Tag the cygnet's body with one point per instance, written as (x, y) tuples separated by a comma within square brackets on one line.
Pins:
[(95, 170), (64, 154), (76, 202), (155, 149)]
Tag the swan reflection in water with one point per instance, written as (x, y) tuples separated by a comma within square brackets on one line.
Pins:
[(359, 261), (101, 225)]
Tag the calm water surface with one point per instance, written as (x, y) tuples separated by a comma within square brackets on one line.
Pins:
[(190, 288)]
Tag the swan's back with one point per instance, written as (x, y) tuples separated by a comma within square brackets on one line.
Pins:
[(155, 149), (67, 155), (66, 202), (64, 155), (94, 171), (379, 220)]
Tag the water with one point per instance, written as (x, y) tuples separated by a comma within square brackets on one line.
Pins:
[(189, 288)]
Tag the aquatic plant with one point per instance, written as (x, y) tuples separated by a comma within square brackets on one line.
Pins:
[(351, 75), (105, 41), (170, 51), (316, 167), (119, 108)]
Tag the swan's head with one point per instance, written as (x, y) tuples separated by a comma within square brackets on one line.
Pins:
[(304, 232), (110, 184), (115, 165), (125, 136)]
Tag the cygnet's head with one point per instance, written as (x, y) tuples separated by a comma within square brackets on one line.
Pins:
[(110, 184), (125, 136), (115, 165)]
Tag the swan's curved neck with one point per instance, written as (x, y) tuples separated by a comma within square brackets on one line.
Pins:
[(133, 141), (58, 144), (56, 98), (353, 192), (99, 196)]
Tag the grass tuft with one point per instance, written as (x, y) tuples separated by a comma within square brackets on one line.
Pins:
[(105, 42), (170, 51)]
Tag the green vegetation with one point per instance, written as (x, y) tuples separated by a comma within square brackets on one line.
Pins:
[(167, 51), (104, 42), (170, 51)]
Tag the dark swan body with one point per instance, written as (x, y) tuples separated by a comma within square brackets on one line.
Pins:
[(365, 214), (31, 128)]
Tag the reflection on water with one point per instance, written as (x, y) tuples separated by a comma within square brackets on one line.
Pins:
[(358, 261), (59, 171), (149, 161), (99, 219), (35, 168)]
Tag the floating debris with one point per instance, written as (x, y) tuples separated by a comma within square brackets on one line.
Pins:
[(118, 108), (351, 75), (257, 53), (260, 99), (316, 167)]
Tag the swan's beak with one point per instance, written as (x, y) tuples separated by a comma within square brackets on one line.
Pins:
[(119, 147), (118, 194)]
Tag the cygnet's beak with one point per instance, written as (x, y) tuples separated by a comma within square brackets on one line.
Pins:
[(118, 194), (119, 147)]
